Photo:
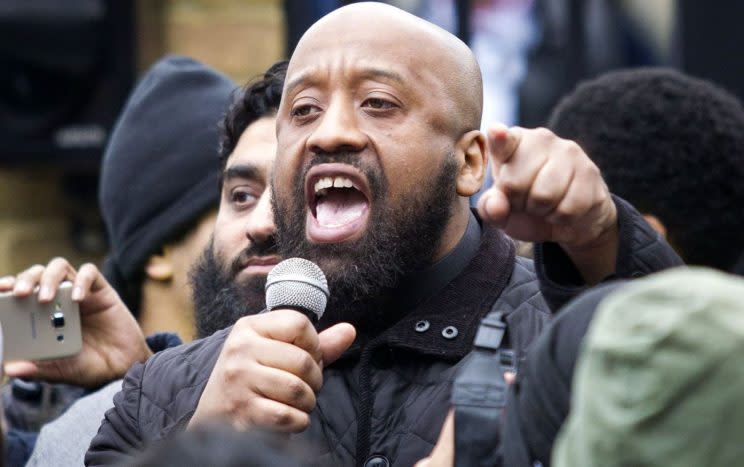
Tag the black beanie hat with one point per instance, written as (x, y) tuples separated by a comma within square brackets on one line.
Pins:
[(160, 170)]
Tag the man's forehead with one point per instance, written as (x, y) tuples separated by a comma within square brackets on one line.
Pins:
[(353, 68), (363, 34), (255, 151)]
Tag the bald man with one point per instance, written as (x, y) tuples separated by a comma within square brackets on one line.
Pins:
[(378, 151)]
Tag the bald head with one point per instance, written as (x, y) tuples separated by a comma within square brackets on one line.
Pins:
[(383, 33)]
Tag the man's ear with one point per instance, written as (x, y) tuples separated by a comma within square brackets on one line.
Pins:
[(656, 224), (471, 153), (159, 267)]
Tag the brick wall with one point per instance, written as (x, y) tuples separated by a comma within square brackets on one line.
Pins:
[(239, 37)]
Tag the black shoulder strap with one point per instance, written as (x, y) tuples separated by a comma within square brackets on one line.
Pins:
[(479, 395)]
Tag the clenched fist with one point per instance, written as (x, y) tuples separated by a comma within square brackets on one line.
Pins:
[(269, 370)]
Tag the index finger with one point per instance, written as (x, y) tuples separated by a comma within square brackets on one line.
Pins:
[(57, 270), (503, 143), (288, 326), (7, 283)]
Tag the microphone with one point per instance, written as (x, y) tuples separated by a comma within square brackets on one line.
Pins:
[(298, 284)]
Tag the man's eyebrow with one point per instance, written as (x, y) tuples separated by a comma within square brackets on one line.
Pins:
[(377, 73), (244, 171), (307, 78), (298, 80)]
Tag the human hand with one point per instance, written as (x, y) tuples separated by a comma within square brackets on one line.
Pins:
[(269, 370), (546, 189), (112, 339)]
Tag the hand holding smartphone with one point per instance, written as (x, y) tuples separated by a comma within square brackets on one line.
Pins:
[(40, 331)]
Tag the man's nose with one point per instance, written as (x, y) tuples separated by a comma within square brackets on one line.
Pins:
[(260, 225), (338, 129)]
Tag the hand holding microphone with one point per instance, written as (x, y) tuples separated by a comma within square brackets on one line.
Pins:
[(271, 363)]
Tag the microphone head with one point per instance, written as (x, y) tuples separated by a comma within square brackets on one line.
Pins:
[(297, 283)]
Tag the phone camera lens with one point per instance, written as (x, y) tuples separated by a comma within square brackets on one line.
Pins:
[(60, 338), (58, 319)]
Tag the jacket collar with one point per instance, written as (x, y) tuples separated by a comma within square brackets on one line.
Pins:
[(445, 321), (423, 284)]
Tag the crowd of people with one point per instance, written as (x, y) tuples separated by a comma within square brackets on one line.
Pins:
[(440, 345)]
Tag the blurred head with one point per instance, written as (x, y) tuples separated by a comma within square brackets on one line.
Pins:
[(229, 279), (660, 376), (378, 148), (158, 176), (673, 146), (221, 446)]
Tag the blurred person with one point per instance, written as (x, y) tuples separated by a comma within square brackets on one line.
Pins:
[(157, 192), (673, 146), (660, 378), (378, 151), (219, 445), (246, 152), (157, 223)]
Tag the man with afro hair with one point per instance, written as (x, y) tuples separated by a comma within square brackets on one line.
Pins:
[(673, 146)]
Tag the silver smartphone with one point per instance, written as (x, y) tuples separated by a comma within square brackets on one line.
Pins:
[(35, 331)]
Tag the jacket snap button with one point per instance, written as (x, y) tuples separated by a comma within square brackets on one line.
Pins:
[(377, 461), (450, 332), (422, 326)]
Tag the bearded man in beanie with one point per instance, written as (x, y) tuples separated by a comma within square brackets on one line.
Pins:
[(378, 152), (157, 192)]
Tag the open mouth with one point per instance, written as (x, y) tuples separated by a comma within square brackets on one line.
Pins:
[(338, 199)]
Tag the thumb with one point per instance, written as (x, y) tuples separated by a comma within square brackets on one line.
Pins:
[(21, 369), (335, 340), (493, 207)]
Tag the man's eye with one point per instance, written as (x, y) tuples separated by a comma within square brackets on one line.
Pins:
[(303, 110), (378, 104), (242, 198)]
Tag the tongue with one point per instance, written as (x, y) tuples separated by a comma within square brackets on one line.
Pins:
[(339, 207)]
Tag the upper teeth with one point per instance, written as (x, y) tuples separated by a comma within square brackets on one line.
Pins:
[(336, 182)]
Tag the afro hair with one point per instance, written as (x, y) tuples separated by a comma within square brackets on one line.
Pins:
[(673, 146)]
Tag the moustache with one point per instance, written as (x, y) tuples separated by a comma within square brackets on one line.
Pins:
[(267, 247)]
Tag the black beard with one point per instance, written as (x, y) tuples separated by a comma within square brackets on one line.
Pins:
[(399, 240), (219, 301)]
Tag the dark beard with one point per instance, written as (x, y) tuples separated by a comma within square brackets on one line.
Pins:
[(399, 240), (218, 300)]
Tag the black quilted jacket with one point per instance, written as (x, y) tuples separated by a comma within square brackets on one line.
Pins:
[(389, 398)]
